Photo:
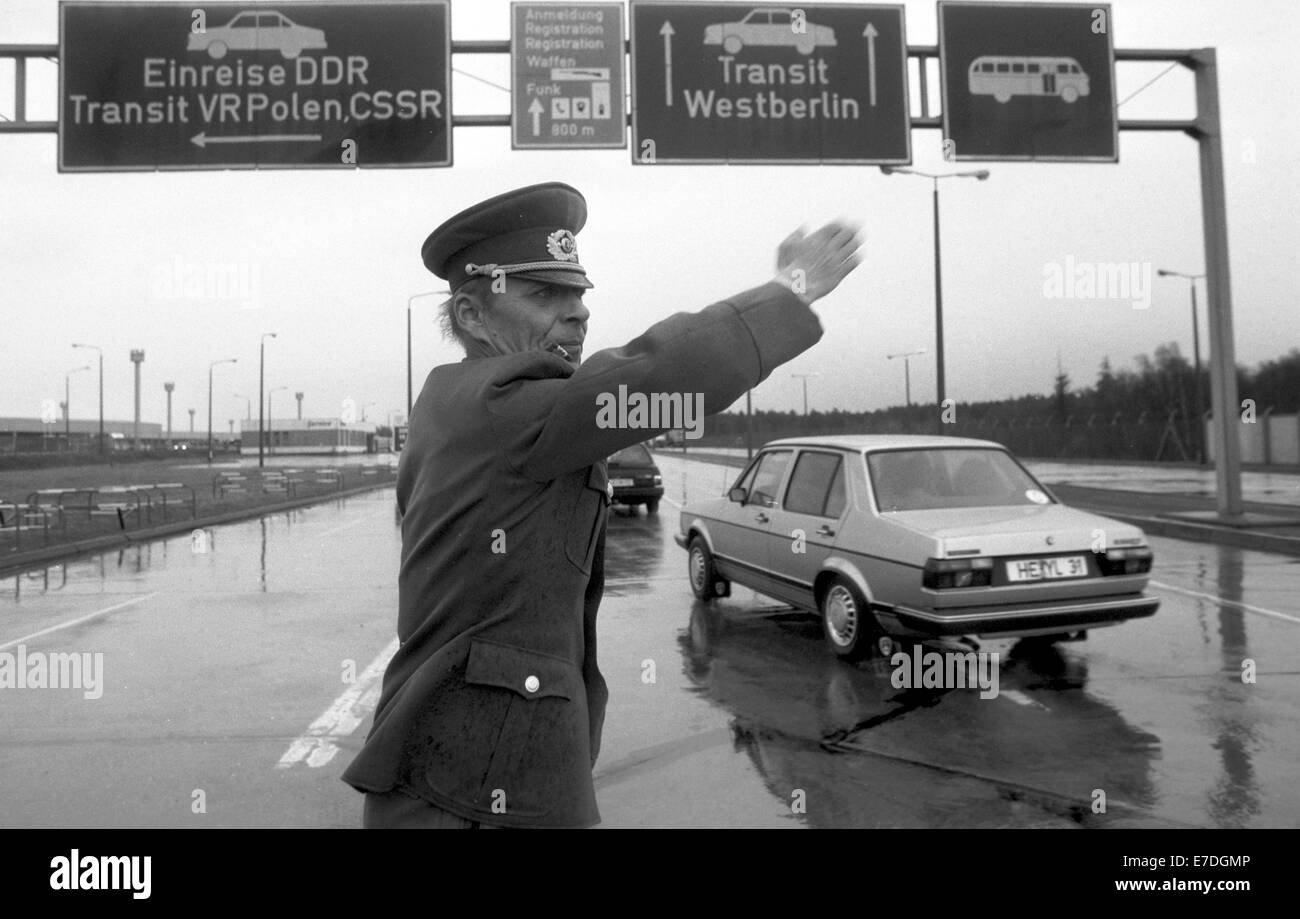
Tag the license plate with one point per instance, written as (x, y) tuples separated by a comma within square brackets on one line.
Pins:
[(1047, 569), (621, 483)]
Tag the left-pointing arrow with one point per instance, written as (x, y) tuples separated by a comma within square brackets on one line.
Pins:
[(201, 139)]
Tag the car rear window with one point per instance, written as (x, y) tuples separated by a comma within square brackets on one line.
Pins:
[(912, 480), (635, 455)]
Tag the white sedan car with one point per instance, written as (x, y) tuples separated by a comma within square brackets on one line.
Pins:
[(261, 30), (891, 537)]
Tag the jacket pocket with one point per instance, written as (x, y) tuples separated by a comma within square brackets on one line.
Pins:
[(542, 742), (588, 514)]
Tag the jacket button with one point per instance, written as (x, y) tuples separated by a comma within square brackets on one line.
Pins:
[(532, 684)]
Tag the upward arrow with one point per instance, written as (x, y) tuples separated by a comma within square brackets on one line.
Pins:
[(667, 32), (871, 33), (536, 111)]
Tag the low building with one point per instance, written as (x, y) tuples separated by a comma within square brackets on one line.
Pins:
[(31, 435), (308, 436)]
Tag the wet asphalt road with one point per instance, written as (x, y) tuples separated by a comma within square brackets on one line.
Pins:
[(238, 682)]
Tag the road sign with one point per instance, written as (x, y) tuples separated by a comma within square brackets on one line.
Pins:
[(731, 83), (566, 60), (146, 86), (399, 437), (1028, 81)]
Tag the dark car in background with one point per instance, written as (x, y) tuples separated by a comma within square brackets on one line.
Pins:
[(634, 478)]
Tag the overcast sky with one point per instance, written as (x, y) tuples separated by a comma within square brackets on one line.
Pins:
[(334, 255)]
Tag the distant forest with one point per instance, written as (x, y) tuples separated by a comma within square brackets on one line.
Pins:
[(1158, 386)]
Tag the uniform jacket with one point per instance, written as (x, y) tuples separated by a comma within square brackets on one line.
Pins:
[(494, 696)]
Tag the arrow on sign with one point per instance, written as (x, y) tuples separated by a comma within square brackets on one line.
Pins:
[(536, 111), (200, 139), (871, 33), (667, 32)]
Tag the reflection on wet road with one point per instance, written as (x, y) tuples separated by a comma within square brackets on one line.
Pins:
[(247, 671), (1153, 715)]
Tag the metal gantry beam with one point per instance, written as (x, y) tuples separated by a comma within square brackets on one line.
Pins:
[(1205, 128)]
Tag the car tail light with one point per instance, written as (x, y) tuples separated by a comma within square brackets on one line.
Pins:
[(658, 480), (943, 573), (1125, 561)]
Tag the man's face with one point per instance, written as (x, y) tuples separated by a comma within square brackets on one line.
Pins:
[(534, 315)]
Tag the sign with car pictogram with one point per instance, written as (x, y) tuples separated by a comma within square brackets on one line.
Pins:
[(1028, 81), (733, 83), (566, 61), (145, 86)]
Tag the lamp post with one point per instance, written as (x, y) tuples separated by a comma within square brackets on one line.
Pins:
[(67, 405), (261, 372), (191, 411), (137, 358), (298, 396), (805, 388), (228, 360), (1197, 399), (270, 419), (907, 376), (248, 405), (169, 387), (981, 175), (409, 394), (101, 390)]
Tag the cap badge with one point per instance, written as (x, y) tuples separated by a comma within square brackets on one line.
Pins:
[(562, 246)]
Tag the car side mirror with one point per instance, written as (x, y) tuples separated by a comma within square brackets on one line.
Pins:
[(737, 494)]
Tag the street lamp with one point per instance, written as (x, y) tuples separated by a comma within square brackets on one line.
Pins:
[(409, 396), (298, 396), (981, 175), (248, 405), (261, 371), (805, 388), (169, 387), (67, 405), (907, 376), (228, 360), (101, 390), (270, 419), (1197, 399)]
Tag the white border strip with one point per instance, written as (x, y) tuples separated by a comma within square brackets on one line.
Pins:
[(78, 621)]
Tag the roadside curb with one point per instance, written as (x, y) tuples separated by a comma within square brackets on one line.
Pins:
[(20, 562), (1196, 532)]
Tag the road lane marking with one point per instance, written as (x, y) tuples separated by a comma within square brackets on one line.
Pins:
[(1246, 606), (351, 523), (317, 746), (79, 620)]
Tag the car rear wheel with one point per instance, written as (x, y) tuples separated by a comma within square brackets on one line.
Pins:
[(850, 629), (217, 50), (652, 506), (732, 44), (705, 583)]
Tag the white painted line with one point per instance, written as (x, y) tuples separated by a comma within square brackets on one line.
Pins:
[(317, 746), (351, 523), (1020, 698), (1246, 606), (79, 620)]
